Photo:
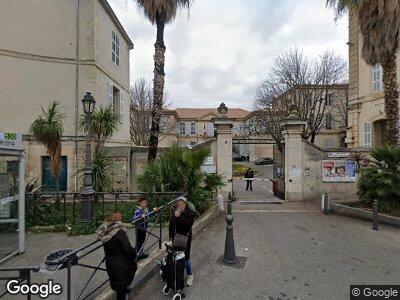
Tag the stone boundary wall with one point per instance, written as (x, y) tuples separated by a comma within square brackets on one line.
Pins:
[(313, 186), (363, 214)]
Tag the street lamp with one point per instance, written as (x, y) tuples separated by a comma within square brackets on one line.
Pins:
[(87, 193)]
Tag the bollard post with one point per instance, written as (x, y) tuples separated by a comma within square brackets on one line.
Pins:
[(229, 254), (326, 204), (375, 215)]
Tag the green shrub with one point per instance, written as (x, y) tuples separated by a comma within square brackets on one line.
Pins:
[(179, 170), (240, 170), (381, 179), (85, 228)]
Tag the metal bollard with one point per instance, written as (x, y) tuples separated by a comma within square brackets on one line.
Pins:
[(326, 204), (375, 215), (230, 253)]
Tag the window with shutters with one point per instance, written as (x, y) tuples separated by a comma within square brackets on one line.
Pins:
[(328, 121), (121, 107), (377, 83), (182, 128), (367, 135), (116, 99), (210, 130), (115, 48), (329, 100), (192, 128)]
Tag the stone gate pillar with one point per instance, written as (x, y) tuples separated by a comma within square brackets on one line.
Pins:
[(293, 128), (223, 127)]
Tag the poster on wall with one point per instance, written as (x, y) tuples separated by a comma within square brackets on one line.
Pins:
[(339, 171)]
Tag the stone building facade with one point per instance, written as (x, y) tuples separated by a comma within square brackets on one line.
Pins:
[(59, 50), (366, 111)]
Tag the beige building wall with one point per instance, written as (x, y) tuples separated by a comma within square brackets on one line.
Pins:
[(261, 151), (37, 56), (366, 105)]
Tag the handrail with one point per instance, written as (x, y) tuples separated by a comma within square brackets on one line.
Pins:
[(72, 258)]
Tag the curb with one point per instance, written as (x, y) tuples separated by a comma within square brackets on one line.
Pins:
[(147, 268), (363, 214)]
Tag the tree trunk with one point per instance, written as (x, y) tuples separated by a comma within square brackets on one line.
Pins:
[(55, 157), (312, 136), (158, 89), (280, 147), (391, 100)]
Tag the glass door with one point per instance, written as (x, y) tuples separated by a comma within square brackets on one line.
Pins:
[(9, 196)]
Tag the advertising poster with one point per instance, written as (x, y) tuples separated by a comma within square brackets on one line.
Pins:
[(339, 171)]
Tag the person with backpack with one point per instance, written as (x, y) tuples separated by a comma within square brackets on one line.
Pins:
[(180, 225)]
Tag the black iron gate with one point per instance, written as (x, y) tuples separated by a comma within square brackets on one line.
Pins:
[(279, 172)]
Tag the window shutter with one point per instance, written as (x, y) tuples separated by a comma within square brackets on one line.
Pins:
[(110, 95), (187, 128), (121, 107)]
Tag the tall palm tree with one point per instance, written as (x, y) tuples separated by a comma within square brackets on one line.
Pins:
[(160, 13), (48, 129), (104, 124), (379, 22)]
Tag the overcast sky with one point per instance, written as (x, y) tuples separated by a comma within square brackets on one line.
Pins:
[(223, 50)]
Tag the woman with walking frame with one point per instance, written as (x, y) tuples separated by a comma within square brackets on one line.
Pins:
[(181, 222)]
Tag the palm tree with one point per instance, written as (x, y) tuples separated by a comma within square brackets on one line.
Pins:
[(159, 12), (381, 179), (104, 124), (48, 129), (180, 170), (379, 23)]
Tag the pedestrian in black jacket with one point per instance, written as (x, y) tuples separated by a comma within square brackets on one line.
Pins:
[(249, 175), (181, 222), (120, 255)]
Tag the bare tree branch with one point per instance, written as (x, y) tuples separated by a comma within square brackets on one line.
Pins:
[(140, 113), (296, 80)]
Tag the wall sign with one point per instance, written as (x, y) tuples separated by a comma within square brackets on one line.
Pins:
[(338, 154), (10, 141), (339, 171)]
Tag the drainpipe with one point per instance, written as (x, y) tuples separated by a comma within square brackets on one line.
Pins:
[(76, 95)]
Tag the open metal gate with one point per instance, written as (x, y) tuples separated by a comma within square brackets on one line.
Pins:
[(279, 173)]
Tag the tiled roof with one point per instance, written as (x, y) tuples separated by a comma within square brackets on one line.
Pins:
[(198, 113)]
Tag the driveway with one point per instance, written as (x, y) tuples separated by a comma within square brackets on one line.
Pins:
[(262, 186), (293, 252)]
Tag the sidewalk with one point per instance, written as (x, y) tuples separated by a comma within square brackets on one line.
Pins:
[(293, 252), (40, 245)]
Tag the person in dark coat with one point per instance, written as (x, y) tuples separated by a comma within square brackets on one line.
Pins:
[(250, 175), (181, 222), (120, 255)]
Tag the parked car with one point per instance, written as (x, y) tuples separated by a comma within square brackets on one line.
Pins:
[(264, 161), (236, 157)]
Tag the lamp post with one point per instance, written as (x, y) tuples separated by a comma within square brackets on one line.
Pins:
[(87, 193)]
